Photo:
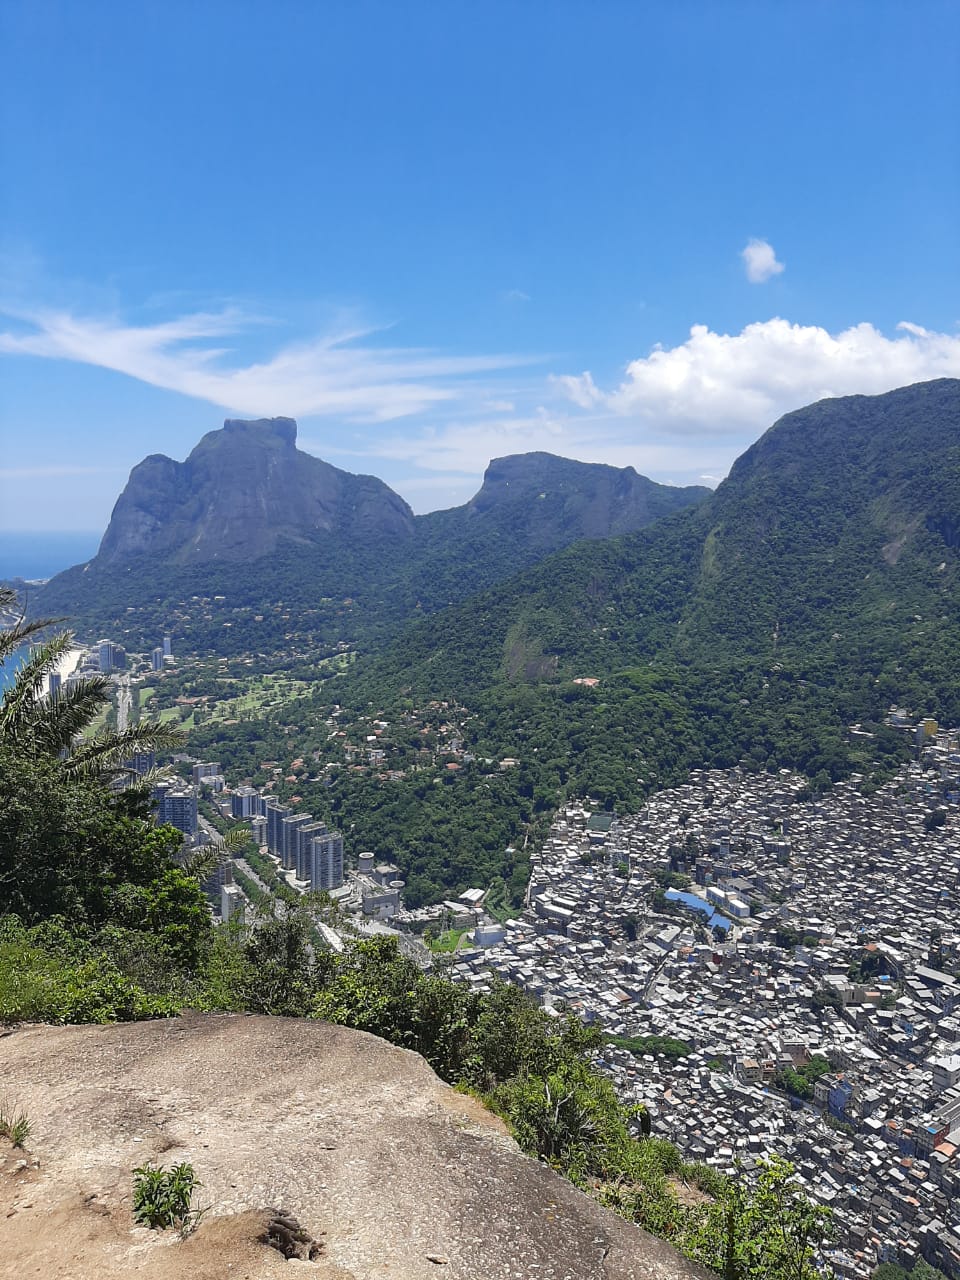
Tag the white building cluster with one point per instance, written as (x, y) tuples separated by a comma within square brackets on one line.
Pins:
[(824, 929)]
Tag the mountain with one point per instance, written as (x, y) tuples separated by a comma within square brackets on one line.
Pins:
[(301, 555), (206, 1090), (241, 492), (553, 501), (834, 539), (817, 586)]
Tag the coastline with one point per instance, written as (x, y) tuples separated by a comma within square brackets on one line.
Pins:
[(65, 667)]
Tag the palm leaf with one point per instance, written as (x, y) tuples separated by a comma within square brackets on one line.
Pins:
[(108, 750), (53, 724), (14, 637), (22, 699), (202, 863)]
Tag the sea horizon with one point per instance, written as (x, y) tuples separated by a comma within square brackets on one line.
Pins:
[(39, 554)]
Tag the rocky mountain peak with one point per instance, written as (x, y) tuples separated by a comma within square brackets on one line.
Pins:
[(243, 491)]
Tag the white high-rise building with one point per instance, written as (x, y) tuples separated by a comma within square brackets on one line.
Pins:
[(326, 861)]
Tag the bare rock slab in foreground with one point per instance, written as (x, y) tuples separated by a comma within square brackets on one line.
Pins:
[(357, 1143)]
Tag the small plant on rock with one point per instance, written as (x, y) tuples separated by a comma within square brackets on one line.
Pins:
[(15, 1126), (164, 1197)]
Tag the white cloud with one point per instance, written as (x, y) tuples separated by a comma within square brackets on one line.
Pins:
[(760, 261), (334, 374), (466, 446), (720, 383)]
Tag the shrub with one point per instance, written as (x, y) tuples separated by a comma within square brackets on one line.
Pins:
[(164, 1197), (48, 976)]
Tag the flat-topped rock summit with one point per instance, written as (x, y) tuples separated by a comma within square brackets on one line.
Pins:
[(242, 491), (395, 1174)]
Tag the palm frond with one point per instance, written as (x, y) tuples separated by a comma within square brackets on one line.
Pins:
[(127, 775), (22, 698), (15, 635), (202, 863), (52, 724), (107, 751)]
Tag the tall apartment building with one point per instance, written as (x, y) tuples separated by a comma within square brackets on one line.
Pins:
[(231, 903), (288, 842), (110, 657), (177, 806), (326, 861), (208, 769), (275, 814), (305, 834), (245, 803), (141, 761)]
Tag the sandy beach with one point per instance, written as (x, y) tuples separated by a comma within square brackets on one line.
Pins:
[(65, 667)]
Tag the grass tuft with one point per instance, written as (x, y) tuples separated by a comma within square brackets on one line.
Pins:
[(14, 1126)]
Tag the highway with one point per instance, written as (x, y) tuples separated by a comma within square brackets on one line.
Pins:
[(124, 702)]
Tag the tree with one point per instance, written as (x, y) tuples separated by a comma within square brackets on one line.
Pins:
[(770, 1232), (72, 845), (52, 726)]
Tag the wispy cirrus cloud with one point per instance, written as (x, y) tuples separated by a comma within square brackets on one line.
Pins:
[(342, 373), (432, 420)]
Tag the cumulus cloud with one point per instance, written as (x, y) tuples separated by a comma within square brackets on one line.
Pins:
[(760, 261), (341, 373), (464, 446), (737, 383)]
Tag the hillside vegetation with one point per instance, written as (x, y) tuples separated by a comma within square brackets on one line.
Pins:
[(101, 920), (254, 546), (815, 588)]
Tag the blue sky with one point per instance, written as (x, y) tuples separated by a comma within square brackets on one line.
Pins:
[(437, 233)]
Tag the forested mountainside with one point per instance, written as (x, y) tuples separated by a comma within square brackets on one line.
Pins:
[(297, 554), (815, 588), (832, 545)]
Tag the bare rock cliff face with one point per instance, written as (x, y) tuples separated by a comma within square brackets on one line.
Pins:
[(394, 1174), (241, 491)]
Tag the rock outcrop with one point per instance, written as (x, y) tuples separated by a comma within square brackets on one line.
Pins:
[(298, 1131), (241, 492), (558, 500)]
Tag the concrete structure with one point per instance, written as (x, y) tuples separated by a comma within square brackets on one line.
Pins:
[(244, 803), (176, 806), (326, 861), (110, 657), (288, 839), (232, 902)]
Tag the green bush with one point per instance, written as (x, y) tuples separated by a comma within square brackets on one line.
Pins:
[(164, 1197), (67, 981)]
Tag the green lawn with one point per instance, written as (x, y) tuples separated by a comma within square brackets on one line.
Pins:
[(447, 941)]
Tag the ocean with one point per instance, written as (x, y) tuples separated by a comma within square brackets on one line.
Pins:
[(36, 556), (41, 555), (8, 669)]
